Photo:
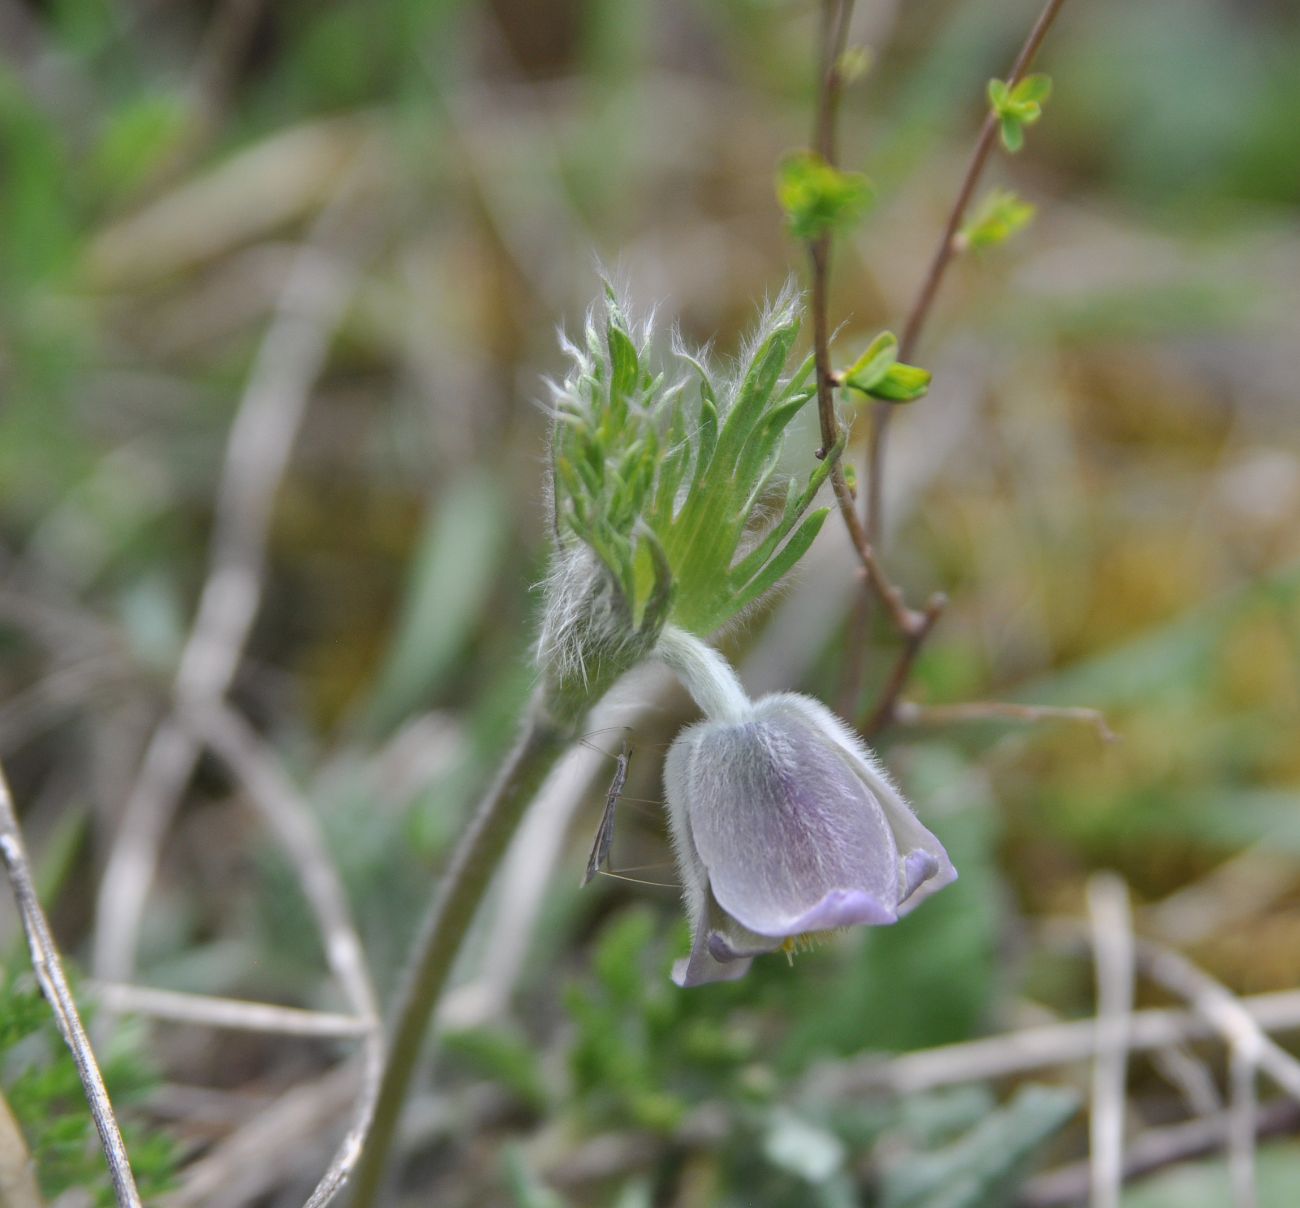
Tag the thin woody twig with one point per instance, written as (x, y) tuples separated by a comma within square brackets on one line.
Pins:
[(836, 15), (1112, 945), (873, 499), (886, 707), (49, 974), (944, 252)]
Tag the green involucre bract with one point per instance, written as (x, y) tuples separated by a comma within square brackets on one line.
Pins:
[(668, 498)]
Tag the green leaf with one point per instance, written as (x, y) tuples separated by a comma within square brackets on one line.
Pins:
[(1018, 107), (623, 361), (707, 437), (999, 94), (755, 392), (873, 364), (879, 374), (902, 384), (796, 504), (1033, 89), (783, 562), (819, 199), (780, 417), (801, 379), (999, 216)]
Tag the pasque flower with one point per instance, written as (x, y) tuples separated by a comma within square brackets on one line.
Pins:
[(784, 824)]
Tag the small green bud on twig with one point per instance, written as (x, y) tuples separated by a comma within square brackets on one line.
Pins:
[(999, 216), (853, 64), (819, 199), (879, 374), (1019, 107)]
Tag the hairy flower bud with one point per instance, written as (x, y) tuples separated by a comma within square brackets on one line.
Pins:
[(669, 504)]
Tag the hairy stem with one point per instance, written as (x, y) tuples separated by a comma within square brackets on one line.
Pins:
[(708, 677), (452, 910)]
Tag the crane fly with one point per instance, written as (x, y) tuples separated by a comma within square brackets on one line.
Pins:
[(598, 861)]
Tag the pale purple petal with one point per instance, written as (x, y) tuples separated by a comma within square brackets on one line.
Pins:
[(729, 941), (690, 868), (703, 966), (925, 867), (846, 908), (783, 824)]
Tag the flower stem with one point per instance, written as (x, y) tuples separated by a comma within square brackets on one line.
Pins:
[(450, 913), (708, 677)]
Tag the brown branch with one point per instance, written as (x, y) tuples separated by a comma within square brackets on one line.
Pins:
[(54, 986), (835, 26), (873, 501), (886, 708), (946, 249)]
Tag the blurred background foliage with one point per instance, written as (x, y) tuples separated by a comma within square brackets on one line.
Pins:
[(1105, 478)]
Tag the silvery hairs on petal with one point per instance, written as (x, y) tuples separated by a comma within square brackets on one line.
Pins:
[(784, 824)]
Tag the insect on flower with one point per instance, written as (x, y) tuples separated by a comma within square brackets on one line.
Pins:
[(598, 861)]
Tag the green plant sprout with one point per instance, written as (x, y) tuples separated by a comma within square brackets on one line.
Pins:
[(997, 218), (818, 198), (1018, 106), (879, 374)]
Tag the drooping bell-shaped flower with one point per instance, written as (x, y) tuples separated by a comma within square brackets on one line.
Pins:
[(784, 824)]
